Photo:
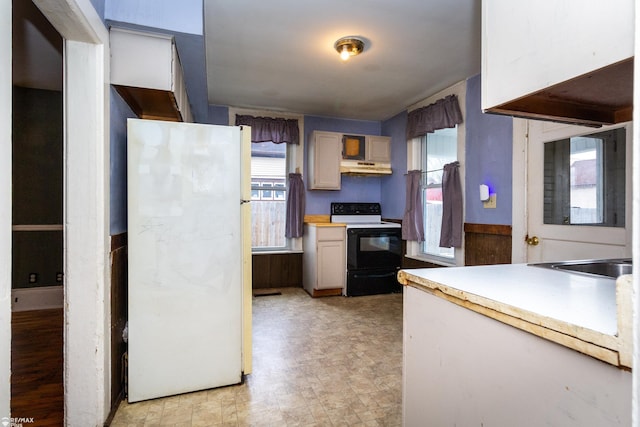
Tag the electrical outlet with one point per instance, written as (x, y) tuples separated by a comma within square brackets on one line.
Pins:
[(491, 203), (33, 277)]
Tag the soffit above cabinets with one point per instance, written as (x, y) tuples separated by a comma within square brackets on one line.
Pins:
[(146, 72)]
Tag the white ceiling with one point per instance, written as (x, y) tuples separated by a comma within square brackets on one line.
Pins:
[(279, 54)]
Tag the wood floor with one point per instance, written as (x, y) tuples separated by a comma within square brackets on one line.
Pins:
[(36, 367)]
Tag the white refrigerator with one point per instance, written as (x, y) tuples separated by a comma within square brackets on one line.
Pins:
[(189, 244)]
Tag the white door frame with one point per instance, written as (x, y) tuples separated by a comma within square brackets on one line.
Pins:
[(86, 209), (519, 217)]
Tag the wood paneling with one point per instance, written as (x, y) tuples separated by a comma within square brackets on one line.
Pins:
[(36, 367), (487, 244), (277, 270), (119, 315), (414, 263)]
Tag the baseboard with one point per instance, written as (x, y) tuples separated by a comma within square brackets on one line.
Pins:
[(40, 298)]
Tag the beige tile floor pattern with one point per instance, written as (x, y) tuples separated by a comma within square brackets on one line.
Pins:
[(331, 361)]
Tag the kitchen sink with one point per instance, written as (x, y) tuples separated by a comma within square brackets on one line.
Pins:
[(599, 267)]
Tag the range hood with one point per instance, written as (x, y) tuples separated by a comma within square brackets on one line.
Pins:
[(361, 167)]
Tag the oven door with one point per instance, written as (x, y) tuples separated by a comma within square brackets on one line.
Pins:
[(373, 248)]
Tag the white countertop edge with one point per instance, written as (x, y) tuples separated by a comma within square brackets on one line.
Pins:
[(610, 342)]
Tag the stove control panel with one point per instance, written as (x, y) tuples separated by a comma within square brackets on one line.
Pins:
[(338, 208)]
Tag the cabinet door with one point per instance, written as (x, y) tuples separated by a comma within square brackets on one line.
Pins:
[(326, 154), (378, 149), (331, 264)]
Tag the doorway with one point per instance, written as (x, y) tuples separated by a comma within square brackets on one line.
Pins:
[(86, 208), (557, 166), (37, 272)]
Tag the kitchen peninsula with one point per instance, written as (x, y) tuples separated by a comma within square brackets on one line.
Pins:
[(516, 345)]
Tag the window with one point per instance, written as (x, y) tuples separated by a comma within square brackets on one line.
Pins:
[(270, 166), (429, 154), (268, 213), (585, 193), (584, 180), (437, 149)]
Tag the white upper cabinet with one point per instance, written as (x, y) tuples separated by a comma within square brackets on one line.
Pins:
[(325, 153), (147, 73), (378, 148), (565, 60)]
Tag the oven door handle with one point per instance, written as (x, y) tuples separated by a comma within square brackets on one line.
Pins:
[(357, 276)]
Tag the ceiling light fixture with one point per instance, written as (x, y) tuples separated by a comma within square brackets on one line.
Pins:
[(348, 47)]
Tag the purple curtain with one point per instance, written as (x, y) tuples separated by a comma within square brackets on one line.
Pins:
[(451, 232), (295, 207), (442, 114), (265, 129), (412, 223)]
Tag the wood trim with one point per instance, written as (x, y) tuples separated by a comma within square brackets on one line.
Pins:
[(326, 292), (497, 229), (38, 227)]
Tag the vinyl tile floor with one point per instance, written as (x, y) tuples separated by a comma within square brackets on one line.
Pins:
[(332, 361)]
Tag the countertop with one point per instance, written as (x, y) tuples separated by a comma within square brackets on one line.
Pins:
[(589, 314), (321, 221)]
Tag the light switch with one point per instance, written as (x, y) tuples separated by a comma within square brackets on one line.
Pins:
[(491, 203)]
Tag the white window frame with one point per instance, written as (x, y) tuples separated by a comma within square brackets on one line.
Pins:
[(295, 163), (414, 161)]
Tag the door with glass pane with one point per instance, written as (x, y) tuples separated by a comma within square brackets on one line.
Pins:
[(578, 192)]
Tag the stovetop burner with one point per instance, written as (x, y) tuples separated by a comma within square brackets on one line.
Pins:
[(339, 208), (359, 215)]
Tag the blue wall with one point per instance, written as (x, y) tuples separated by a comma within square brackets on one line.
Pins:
[(488, 154), (120, 111), (353, 188), (392, 188), (184, 16), (218, 115), (98, 5)]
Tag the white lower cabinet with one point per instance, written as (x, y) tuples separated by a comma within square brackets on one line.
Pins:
[(324, 265), (464, 368)]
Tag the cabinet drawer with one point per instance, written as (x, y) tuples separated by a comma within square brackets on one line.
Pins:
[(331, 233)]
